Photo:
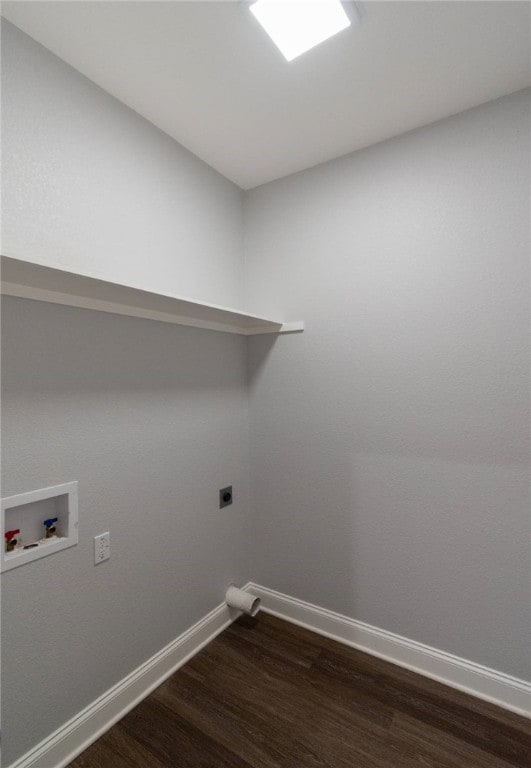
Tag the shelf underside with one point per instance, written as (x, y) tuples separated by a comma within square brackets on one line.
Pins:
[(28, 280)]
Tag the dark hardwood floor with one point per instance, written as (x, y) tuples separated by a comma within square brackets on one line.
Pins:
[(267, 694)]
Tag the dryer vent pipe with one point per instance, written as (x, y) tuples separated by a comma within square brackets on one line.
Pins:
[(242, 601)]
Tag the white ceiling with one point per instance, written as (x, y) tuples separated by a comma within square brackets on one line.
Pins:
[(206, 73)]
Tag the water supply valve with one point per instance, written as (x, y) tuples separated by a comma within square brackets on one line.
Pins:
[(50, 527), (10, 539)]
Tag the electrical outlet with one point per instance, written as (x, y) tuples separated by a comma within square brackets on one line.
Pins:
[(102, 547), (225, 497)]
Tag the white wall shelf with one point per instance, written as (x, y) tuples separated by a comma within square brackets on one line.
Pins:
[(27, 511), (29, 280)]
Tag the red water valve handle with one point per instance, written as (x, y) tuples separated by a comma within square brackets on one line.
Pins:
[(9, 534)]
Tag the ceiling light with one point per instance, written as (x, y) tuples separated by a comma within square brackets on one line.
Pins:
[(295, 26)]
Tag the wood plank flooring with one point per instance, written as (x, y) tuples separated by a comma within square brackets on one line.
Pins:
[(268, 694)]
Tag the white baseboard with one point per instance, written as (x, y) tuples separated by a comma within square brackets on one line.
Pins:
[(68, 741), (488, 684), (65, 744)]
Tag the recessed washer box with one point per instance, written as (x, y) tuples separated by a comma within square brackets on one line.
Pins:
[(27, 511)]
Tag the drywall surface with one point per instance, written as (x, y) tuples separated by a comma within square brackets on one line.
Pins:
[(390, 441), (89, 185), (151, 420)]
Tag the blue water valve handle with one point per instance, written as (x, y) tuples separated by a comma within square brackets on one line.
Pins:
[(51, 520)]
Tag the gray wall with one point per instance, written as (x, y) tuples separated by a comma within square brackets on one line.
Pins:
[(390, 442), (151, 419), (89, 184)]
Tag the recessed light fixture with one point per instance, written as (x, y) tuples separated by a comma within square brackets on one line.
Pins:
[(295, 26)]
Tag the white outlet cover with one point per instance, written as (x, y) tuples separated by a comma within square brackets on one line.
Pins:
[(102, 547)]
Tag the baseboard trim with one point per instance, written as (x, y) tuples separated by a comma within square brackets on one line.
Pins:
[(488, 684), (68, 741)]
